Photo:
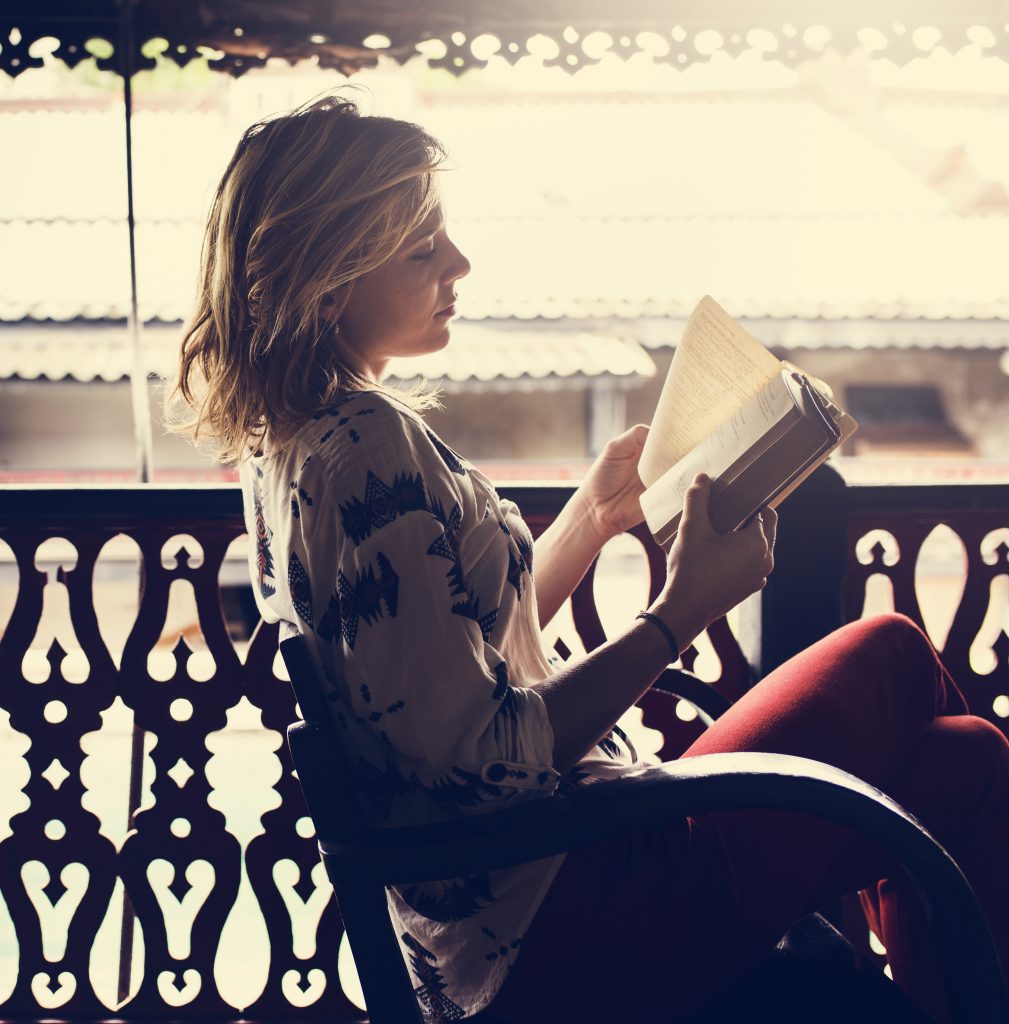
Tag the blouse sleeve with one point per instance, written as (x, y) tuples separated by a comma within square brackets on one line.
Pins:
[(412, 638)]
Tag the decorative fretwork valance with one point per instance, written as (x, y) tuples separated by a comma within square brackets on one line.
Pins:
[(351, 34)]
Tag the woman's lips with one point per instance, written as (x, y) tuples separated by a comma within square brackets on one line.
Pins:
[(447, 311)]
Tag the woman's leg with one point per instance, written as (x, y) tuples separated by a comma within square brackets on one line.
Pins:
[(874, 699), (956, 781), (699, 906)]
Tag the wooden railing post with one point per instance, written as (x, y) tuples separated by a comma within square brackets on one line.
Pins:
[(802, 601)]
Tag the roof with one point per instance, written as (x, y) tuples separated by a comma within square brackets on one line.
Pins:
[(348, 35), (481, 357), (586, 207), (940, 266)]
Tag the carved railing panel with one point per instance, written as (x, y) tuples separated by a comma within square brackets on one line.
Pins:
[(58, 870), (898, 522), (188, 876), (181, 866)]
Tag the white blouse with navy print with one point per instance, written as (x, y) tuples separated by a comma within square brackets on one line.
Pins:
[(412, 581)]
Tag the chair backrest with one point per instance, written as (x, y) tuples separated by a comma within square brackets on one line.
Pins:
[(324, 778)]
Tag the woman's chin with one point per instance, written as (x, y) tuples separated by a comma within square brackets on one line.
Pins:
[(435, 341), (439, 338)]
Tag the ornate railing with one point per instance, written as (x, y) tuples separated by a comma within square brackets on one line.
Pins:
[(187, 886), (888, 533)]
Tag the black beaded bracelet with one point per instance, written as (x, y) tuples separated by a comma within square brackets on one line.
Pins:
[(664, 630)]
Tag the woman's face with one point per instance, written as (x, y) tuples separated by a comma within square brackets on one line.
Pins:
[(403, 307)]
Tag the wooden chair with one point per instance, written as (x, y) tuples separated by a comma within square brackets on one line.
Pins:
[(362, 861)]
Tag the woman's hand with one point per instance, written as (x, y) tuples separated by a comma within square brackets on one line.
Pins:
[(707, 573), (612, 487)]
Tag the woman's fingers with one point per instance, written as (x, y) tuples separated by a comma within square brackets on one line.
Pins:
[(695, 506), (769, 523), (630, 441)]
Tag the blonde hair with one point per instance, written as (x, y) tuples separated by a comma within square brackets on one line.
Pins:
[(310, 201)]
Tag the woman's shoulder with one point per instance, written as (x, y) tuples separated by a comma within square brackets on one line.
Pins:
[(372, 433), (362, 418)]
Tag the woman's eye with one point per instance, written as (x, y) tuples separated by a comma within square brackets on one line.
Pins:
[(425, 255)]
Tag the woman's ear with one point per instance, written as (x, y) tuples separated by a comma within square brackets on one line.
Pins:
[(330, 307)]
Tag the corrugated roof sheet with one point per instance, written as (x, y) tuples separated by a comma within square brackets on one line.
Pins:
[(478, 357), (586, 207), (937, 266)]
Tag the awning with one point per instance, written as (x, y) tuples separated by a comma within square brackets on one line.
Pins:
[(351, 34), (478, 358), (567, 268)]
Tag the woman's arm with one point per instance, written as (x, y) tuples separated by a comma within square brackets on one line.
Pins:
[(563, 554), (707, 574), (604, 505)]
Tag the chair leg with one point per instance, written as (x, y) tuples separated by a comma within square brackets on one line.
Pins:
[(389, 999)]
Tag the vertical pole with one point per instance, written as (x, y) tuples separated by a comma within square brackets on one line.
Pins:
[(607, 413), (140, 401), (138, 371)]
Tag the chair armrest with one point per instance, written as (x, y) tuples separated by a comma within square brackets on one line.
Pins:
[(710, 704), (691, 786)]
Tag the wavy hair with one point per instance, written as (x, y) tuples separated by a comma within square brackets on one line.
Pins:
[(311, 200)]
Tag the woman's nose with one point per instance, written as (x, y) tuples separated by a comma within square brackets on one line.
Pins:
[(458, 266)]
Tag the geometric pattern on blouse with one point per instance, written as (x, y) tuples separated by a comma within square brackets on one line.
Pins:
[(466, 789), (517, 563), (301, 589), (501, 950), (453, 900), (361, 600), (572, 779), (504, 692), (302, 494), (264, 557), (526, 551), (516, 566), (609, 746), (382, 504), (380, 788), (343, 420), (449, 457), (376, 715), (431, 990), (627, 743), (470, 609), (447, 546)]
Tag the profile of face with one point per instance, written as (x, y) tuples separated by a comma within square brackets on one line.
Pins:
[(403, 307)]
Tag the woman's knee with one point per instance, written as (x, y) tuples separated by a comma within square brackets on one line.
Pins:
[(901, 641), (896, 628), (983, 746), (899, 659)]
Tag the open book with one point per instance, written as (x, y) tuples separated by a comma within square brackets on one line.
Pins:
[(756, 425)]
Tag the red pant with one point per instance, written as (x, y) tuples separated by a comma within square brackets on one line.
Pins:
[(661, 921)]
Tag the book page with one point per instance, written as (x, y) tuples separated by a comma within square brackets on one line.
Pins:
[(717, 367), (716, 452)]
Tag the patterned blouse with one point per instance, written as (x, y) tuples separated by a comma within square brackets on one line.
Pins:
[(413, 582)]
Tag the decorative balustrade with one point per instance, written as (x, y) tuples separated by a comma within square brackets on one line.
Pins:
[(888, 532), (209, 901)]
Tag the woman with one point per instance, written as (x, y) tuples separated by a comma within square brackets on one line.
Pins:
[(326, 255)]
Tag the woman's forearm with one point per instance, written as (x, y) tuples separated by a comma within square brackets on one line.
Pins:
[(707, 573), (563, 555), (585, 699)]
